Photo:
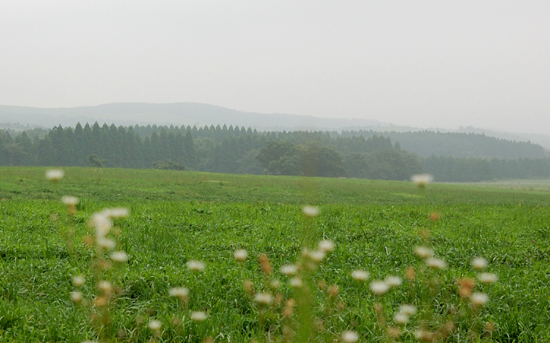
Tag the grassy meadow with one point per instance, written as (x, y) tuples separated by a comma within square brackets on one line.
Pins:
[(177, 217)]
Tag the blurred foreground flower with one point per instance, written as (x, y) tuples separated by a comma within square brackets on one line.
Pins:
[(423, 252), (195, 265), (360, 275), (487, 278), (240, 255), (198, 316), (263, 298), (436, 263), (119, 256), (379, 287), (76, 297), (116, 212), (393, 281), (155, 325), (311, 211), (181, 293), (289, 269), (78, 281), (69, 200), (479, 263), (422, 180), (54, 174), (350, 336), (479, 299), (326, 246)]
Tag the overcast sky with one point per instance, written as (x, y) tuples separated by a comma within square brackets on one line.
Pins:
[(419, 63)]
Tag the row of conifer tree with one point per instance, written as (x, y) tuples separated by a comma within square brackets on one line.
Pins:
[(362, 154)]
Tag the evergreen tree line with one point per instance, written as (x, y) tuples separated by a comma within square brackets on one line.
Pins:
[(239, 150), (432, 143), (454, 169)]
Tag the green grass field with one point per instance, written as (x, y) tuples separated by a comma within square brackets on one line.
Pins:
[(176, 217)]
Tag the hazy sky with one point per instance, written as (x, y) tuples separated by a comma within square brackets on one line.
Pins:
[(419, 63)]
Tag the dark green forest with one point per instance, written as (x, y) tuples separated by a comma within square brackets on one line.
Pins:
[(358, 154)]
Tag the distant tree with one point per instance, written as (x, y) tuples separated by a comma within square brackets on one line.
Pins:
[(356, 165), (95, 161), (280, 158), (318, 160)]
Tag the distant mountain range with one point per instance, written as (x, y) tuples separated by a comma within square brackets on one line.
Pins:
[(187, 113), (184, 113)]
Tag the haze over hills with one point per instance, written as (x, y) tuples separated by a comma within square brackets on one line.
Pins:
[(185, 113), (188, 113)]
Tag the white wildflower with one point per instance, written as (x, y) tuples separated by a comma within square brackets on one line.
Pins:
[(69, 200), (436, 263), (326, 246), (155, 325), (401, 319), (479, 299), (105, 286), (311, 211), (119, 256), (198, 316), (423, 252), (240, 255), (116, 212), (289, 269), (263, 298), (296, 282), (316, 255), (379, 287), (360, 275), (78, 281), (76, 297), (106, 243), (487, 278), (195, 265), (54, 174), (101, 223), (350, 336), (422, 179), (479, 263), (409, 310), (181, 293), (393, 281)]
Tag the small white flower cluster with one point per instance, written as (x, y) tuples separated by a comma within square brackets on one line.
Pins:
[(76, 296), (195, 265), (240, 255), (263, 298), (480, 299), (181, 293), (360, 275), (69, 200), (429, 259), (422, 180), (311, 211), (405, 312), (480, 263), (54, 174), (198, 316), (379, 287), (350, 336), (288, 270), (102, 223), (155, 325)]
